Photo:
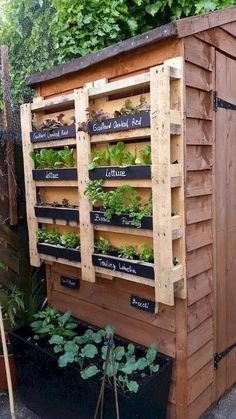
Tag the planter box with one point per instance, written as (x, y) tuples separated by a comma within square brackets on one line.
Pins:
[(98, 217), (68, 214), (122, 123), (55, 393), (124, 172), (55, 174), (59, 252), (133, 267), (55, 134)]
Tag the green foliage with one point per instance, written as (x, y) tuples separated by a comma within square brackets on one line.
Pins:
[(146, 154), (48, 158), (102, 246), (146, 253), (67, 240), (13, 306), (122, 200), (49, 322), (127, 252)]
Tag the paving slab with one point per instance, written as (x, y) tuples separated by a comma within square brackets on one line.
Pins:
[(20, 409)]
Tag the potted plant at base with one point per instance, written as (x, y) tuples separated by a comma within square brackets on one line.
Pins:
[(62, 363), (12, 303)]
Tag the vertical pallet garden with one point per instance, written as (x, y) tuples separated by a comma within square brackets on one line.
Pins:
[(147, 248)]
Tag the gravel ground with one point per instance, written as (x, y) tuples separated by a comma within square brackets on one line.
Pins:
[(224, 409)]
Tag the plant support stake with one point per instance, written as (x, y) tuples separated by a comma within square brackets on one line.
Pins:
[(7, 366)]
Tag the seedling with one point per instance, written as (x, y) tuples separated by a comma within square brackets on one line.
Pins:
[(103, 246), (127, 252)]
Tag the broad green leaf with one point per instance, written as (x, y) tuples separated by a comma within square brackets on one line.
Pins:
[(119, 353), (141, 364), (89, 351), (89, 372), (66, 359), (133, 386), (56, 340), (154, 368), (151, 353)]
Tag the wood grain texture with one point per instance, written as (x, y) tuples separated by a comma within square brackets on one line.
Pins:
[(198, 77), (198, 235), (198, 209), (199, 286), (200, 358), (200, 311), (200, 336), (199, 260), (200, 381), (220, 39), (198, 52), (199, 157), (198, 132), (198, 104), (198, 183), (200, 404)]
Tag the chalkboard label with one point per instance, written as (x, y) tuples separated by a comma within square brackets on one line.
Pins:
[(136, 268), (121, 123), (69, 282), (142, 303), (55, 134), (98, 217), (55, 174), (115, 172)]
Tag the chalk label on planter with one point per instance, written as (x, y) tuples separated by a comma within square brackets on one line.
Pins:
[(136, 268), (55, 174), (121, 123), (55, 134), (142, 303), (115, 172), (98, 217), (69, 282)]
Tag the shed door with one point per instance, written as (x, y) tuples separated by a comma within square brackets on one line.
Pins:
[(225, 187)]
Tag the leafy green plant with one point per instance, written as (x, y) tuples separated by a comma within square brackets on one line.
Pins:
[(146, 154), (49, 158), (146, 253), (103, 246), (94, 191), (118, 153), (127, 252), (67, 240), (49, 322), (13, 305), (100, 158)]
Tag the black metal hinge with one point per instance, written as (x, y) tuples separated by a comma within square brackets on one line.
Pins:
[(220, 355), (220, 103)]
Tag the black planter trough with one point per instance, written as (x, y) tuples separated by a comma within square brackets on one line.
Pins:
[(124, 220), (123, 172), (122, 123), (55, 174), (55, 393), (132, 267), (59, 252), (67, 214), (55, 134)]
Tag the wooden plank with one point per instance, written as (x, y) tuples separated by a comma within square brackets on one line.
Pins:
[(83, 158), (59, 260), (220, 39), (198, 53), (199, 312), (198, 235), (161, 188), (198, 209), (122, 275), (199, 286), (198, 104), (200, 381), (198, 183), (200, 336), (200, 358), (181, 359), (199, 260), (57, 184), (57, 222), (199, 157), (230, 28), (127, 327), (30, 187), (53, 102), (198, 77), (198, 132), (9, 236), (200, 404), (56, 143)]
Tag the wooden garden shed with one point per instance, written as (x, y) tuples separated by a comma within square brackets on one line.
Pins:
[(186, 71)]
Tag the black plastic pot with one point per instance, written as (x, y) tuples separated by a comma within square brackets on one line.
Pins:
[(98, 217), (55, 393), (59, 252), (132, 267), (122, 123), (55, 134), (68, 214), (124, 172), (55, 174)]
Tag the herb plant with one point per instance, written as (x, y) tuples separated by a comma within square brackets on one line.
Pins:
[(146, 154), (49, 322), (103, 246), (146, 253), (50, 159), (67, 240), (127, 252)]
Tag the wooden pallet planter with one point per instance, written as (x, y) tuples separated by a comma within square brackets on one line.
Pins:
[(122, 123), (59, 252), (54, 174), (53, 135), (121, 173), (67, 214)]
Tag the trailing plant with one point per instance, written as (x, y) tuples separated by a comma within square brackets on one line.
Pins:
[(89, 350), (49, 322), (102, 246), (122, 200), (67, 240), (146, 253), (127, 252), (50, 159)]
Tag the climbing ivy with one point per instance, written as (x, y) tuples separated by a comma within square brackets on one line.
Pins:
[(41, 33)]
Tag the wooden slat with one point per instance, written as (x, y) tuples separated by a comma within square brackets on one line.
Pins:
[(83, 158), (198, 183), (30, 186), (10, 259), (198, 104), (181, 355), (199, 157), (52, 102), (220, 39), (59, 260), (200, 381), (57, 183), (198, 77), (57, 222), (199, 286), (122, 275), (56, 143), (199, 260), (200, 358), (198, 235), (198, 53), (200, 404), (198, 209), (200, 336), (230, 28), (200, 311), (198, 132), (161, 183)]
